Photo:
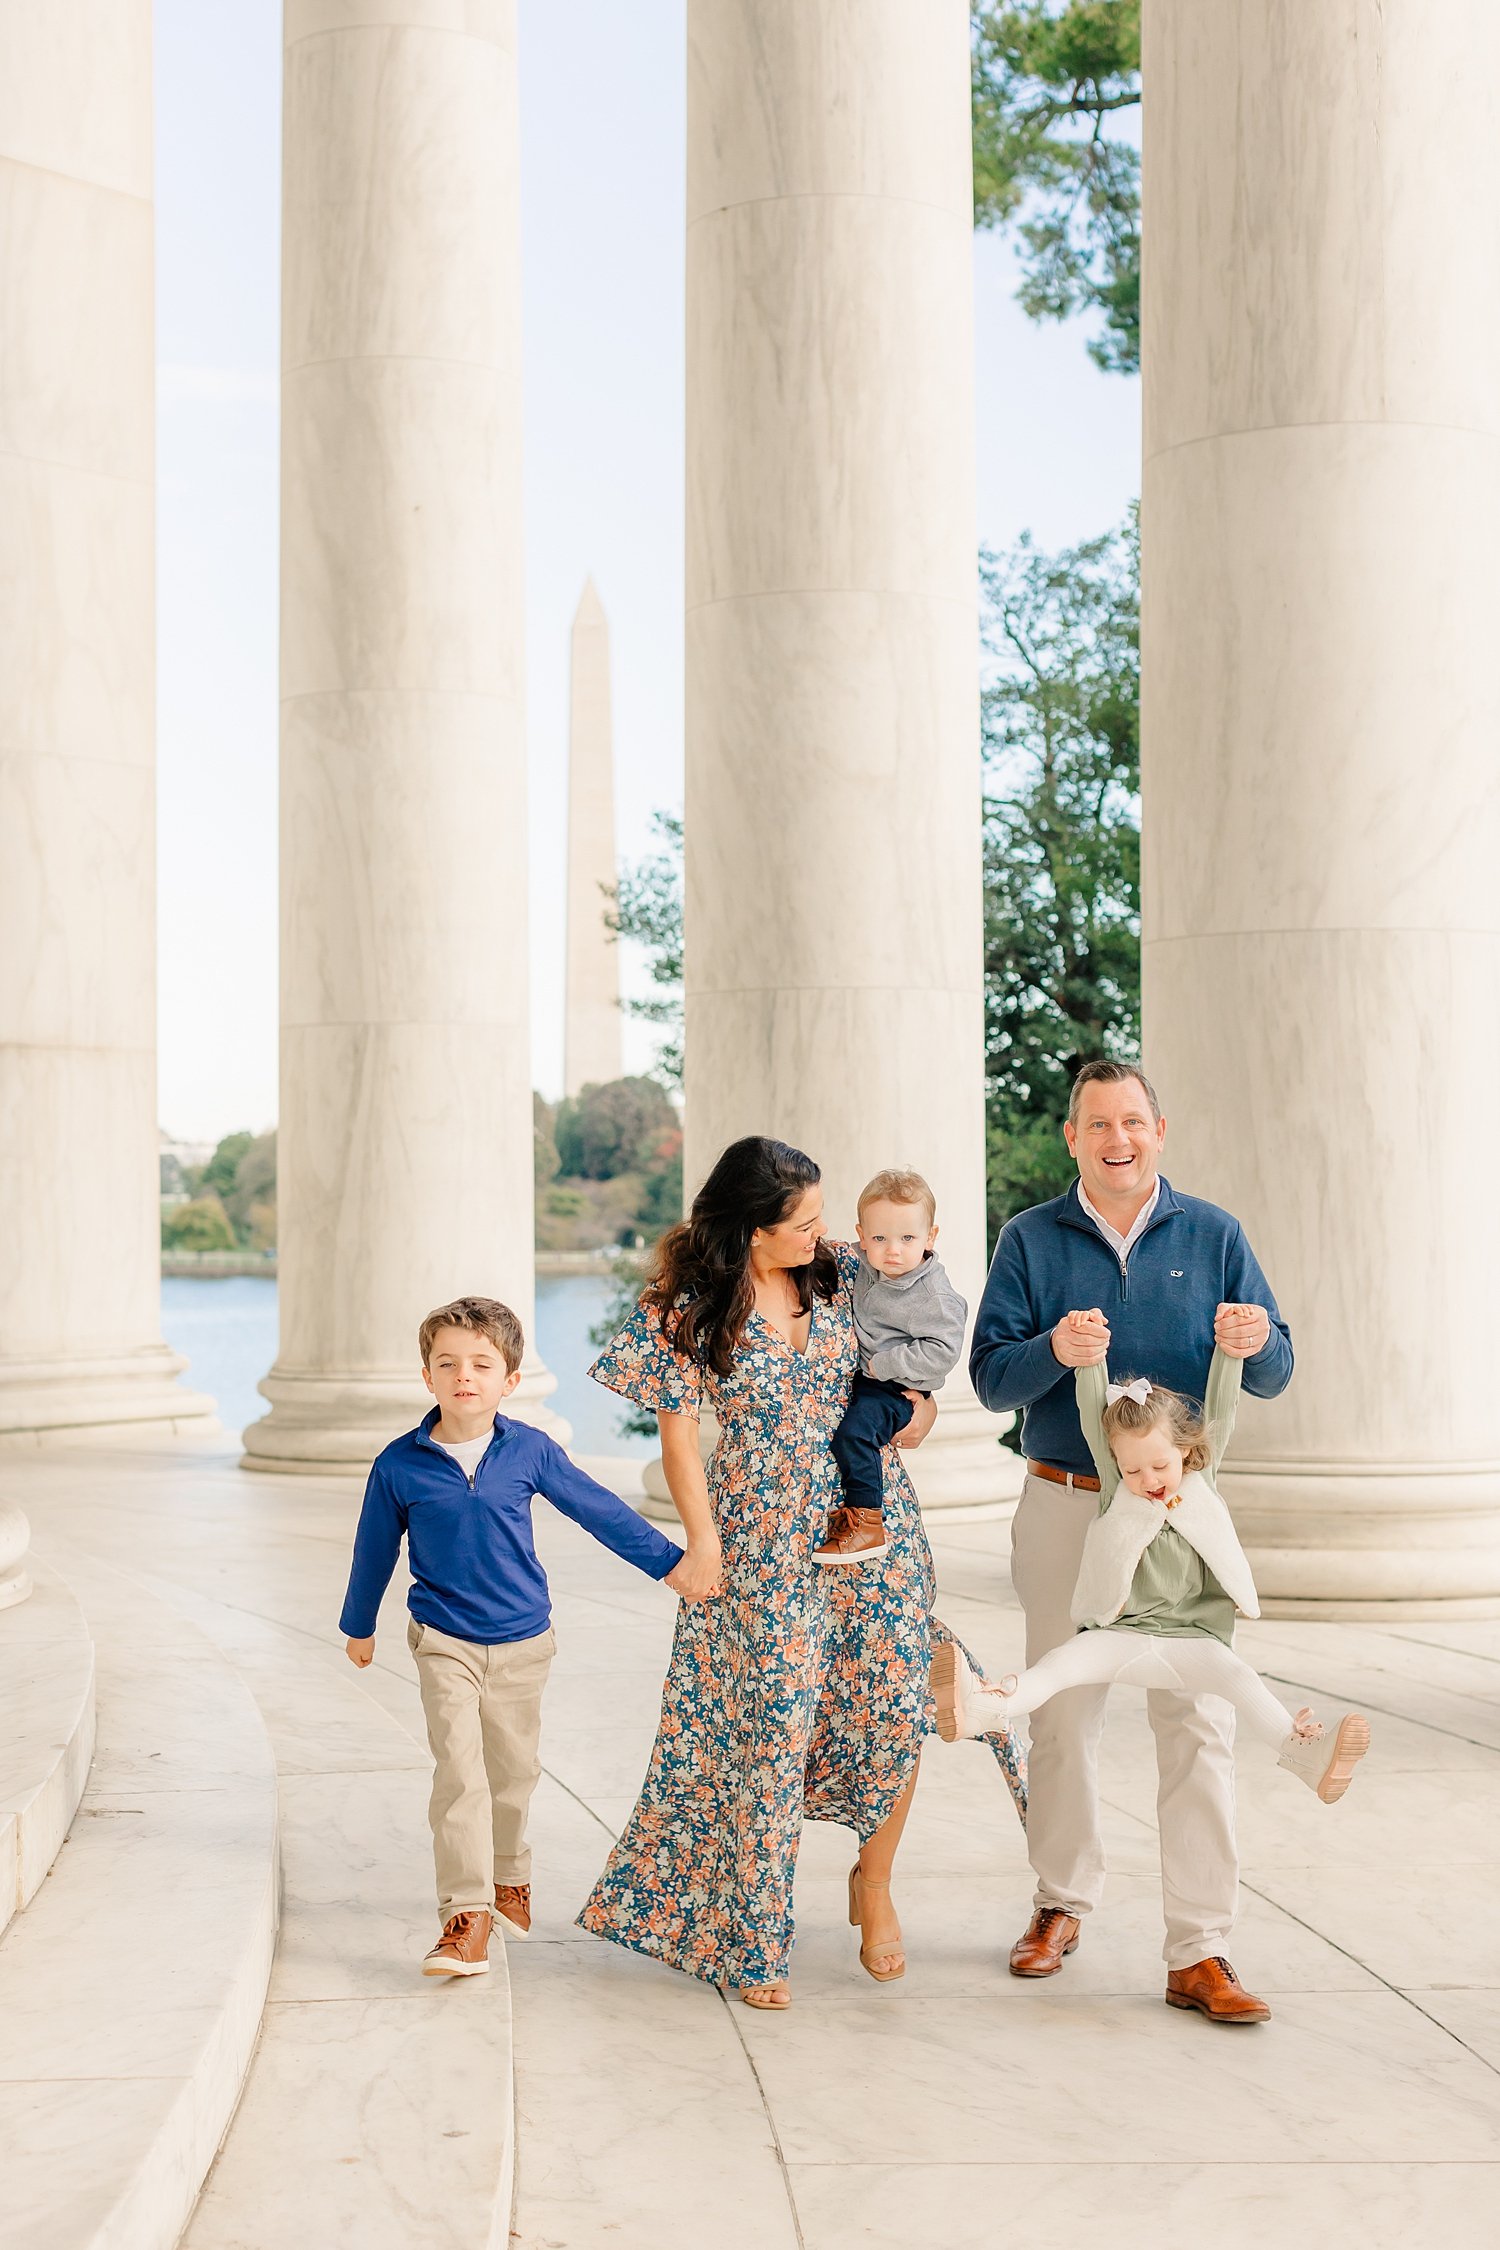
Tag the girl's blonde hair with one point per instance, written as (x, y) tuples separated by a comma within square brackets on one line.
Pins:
[(1162, 1409)]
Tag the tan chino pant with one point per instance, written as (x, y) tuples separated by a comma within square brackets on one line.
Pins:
[(483, 1707), (1194, 1754)]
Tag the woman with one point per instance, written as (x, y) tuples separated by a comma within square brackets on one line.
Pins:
[(787, 1696)]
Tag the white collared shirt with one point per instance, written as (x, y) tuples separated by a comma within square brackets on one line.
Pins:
[(1121, 1244)]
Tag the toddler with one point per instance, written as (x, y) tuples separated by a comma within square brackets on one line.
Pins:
[(1162, 1578), (909, 1321)]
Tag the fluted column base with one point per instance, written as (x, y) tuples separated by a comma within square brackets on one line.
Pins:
[(1380, 1541), (962, 1470), (334, 1425), (133, 1393)]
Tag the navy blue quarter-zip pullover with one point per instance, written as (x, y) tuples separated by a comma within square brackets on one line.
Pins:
[(1160, 1304), (474, 1565)]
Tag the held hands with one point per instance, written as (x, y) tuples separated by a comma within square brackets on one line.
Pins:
[(700, 1574), (361, 1652), (1241, 1330), (923, 1415), (1081, 1339)]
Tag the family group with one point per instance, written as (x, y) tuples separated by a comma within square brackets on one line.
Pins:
[(1121, 1320)]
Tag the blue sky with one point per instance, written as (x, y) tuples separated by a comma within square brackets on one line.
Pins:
[(602, 165)]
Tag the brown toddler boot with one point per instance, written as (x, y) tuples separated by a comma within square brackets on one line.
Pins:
[(855, 1535)]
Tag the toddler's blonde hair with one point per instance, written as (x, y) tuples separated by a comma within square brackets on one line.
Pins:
[(1161, 1409), (898, 1186)]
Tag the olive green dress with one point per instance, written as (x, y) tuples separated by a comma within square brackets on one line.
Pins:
[(1173, 1592)]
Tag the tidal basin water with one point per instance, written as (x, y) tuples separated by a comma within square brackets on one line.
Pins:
[(225, 1327)]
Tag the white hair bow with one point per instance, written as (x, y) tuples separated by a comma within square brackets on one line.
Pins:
[(1139, 1390)]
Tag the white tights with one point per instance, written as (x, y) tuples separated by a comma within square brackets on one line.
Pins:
[(1189, 1664)]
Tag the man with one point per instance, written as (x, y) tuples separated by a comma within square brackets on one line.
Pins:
[(1173, 1276)]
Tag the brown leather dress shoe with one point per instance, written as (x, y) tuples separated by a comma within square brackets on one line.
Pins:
[(1050, 1936), (513, 1908), (463, 1950), (855, 1535), (1215, 1991)]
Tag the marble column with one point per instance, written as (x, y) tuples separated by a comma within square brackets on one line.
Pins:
[(405, 1150), (1319, 765), (833, 906), (80, 1332), (592, 1054)]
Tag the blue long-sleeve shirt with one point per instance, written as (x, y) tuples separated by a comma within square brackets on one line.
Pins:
[(1160, 1304), (474, 1565)]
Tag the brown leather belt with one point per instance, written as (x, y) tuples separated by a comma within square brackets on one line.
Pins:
[(1049, 1475)]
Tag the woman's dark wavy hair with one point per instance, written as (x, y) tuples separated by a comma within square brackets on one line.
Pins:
[(699, 1282)]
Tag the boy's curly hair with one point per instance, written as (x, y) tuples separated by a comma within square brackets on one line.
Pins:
[(1164, 1409)]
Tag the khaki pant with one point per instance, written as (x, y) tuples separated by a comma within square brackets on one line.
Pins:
[(1194, 1754), (483, 1708)]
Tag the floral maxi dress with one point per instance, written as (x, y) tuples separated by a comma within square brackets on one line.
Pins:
[(799, 1691)]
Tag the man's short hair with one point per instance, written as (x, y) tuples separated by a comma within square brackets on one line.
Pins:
[(481, 1316), (1111, 1074), (898, 1186)]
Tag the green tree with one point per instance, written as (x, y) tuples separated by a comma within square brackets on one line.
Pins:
[(661, 1194), (606, 1130), (1061, 844), (647, 908), (218, 1175), (627, 1273), (202, 1224), (250, 1199), (1053, 83)]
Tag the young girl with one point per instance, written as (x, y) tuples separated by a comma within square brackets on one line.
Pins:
[(1162, 1578)]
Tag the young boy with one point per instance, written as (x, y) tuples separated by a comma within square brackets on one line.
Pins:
[(909, 1320), (461, 1487)]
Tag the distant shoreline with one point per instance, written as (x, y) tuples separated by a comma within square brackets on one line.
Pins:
[(221, 1265)]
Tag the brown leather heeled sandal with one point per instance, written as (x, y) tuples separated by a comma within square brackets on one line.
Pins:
[(769, 1998), (891, 1949)]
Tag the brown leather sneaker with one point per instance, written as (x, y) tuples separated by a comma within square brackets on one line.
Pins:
[(1215, 1991), (463, 1950), (513, 1908), (855, 1535), (1050, 1936)]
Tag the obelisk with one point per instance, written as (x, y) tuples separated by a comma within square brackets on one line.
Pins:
[(592, 1045)]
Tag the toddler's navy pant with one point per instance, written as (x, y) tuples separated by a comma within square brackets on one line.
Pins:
[(876, 1411)]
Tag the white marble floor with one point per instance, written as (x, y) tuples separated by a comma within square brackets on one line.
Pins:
[(960, 2108)]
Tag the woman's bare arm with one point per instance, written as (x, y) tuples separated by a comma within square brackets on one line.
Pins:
[(701, 1570)]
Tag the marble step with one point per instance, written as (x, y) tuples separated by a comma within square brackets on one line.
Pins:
[(132, 1987), (46, 1731), (378, 2113)]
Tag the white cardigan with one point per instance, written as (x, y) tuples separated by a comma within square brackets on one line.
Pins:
[(1125, 1525)]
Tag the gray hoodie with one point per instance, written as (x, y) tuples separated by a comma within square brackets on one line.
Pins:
[(910, 1327)]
